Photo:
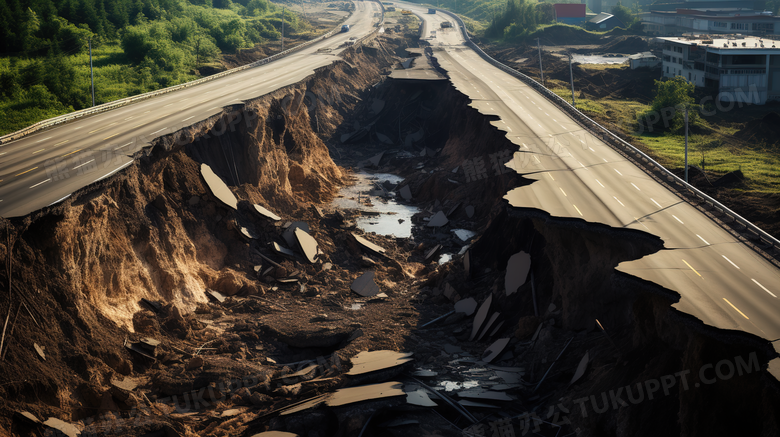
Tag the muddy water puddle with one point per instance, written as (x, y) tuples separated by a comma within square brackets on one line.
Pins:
[(384, 215)]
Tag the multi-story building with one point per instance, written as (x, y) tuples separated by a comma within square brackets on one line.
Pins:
[(742, 69), (712, 20)]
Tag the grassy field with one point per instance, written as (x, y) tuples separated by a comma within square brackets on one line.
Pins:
[(717, 152)]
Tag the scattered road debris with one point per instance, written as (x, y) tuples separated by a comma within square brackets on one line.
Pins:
[(438, 220), (307, 244), (40, 351), (494, 350), (218, 188), (366, 362), (479, 319), (466, 306), (517, 270), (266, 213), (364, 285)]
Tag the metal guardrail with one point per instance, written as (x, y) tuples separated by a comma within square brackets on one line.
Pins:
[(45, 124), (759, 233)]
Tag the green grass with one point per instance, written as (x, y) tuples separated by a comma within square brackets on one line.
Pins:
[(588, 106), (758, 165)]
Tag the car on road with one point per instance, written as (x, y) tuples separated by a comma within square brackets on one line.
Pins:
[(431, 11), (345, 28)]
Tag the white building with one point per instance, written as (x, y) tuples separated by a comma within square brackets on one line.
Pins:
[(724, 20), (742, 69), (644, 59)]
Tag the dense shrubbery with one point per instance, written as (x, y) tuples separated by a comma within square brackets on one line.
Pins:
[(519, 19), (139, 45)]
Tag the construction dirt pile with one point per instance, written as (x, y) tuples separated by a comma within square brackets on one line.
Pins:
[(763, 131), (214, 289)]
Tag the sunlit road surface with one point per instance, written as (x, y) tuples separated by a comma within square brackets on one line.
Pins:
[(721, 281), (43, 168)]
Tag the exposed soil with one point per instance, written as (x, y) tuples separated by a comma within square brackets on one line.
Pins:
[(155, 232)]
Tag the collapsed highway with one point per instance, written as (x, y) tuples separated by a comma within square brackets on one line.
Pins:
[(624, 276)]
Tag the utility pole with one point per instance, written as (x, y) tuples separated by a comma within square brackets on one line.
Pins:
[(91, 72), (686, 144), (282, 28), (571, 75), (541, 71)]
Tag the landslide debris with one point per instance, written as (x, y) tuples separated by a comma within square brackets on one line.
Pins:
[(159, 315)]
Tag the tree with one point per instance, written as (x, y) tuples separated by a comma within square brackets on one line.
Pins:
[(671, 98), (623, 14)]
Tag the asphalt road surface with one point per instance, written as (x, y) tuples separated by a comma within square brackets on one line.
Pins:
[(721, 281), (44, 168)]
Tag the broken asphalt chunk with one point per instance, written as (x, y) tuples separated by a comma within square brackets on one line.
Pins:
[(466, 306), (308, 244), (482, 394), (216, 295), (488, 325), (581, 367), (479, 319), (305, 404), (149, 344), (453, 209), (439, 219), (351, 395), (495, 330), (406, 192), (62, 426), (283, 250), (494, 350), (289, 233), (134, 347), (469, 403), (431, 253), (266, 213), (39, 350), (365, 285), (420, 398), (367, 244), (516, 271), (424, 373), (218, 187), (376, 159), (366, 362), (29, 417)]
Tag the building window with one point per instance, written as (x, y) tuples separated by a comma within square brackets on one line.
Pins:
[(667, 69), (689, 76), (764, 27), (739, 26), (719, 24)]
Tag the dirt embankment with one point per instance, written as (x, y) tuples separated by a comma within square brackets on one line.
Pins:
[(156, 232)]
